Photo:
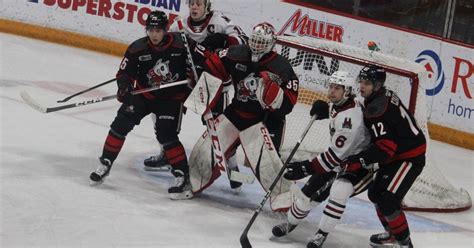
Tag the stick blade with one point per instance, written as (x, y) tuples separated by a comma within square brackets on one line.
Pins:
[(31, 102), (244, 241)]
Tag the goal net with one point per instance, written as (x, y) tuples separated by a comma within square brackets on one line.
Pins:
[(314, 61)]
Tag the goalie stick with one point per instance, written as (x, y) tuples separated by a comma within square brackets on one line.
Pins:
[(244, 240), (43, 109), (217, 153)]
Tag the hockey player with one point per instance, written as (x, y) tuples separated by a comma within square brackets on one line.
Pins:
[(398, 146), (348, 136), (210, 28), (158, 58), (264, 83), (213, 31)]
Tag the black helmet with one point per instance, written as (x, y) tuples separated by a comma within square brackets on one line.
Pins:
[(373, 73), (157, 19)]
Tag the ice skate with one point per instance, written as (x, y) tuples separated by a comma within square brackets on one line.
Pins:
[(282, 229), (98, 176), (182, 189), (317, 240), (235, 186), (384, 239), (157, 163)]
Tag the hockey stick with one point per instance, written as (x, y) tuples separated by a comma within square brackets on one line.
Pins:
[(34, 104), (244, 240), (86, 90)]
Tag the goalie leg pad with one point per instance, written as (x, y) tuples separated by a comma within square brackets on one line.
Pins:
[(202, 170), (266, 164)]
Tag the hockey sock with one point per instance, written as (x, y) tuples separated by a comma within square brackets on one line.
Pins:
[(398, 225), (382, 218), (341, 190), (300, 208), (176, 156), (113, 145)]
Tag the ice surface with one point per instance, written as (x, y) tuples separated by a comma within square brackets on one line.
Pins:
[(46, 200)]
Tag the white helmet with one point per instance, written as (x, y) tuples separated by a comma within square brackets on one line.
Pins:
[(262, 40), (345, 79)]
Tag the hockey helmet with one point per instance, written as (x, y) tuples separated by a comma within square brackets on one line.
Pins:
[(374, 74), (345, 79), (262, 40), (157, 19)]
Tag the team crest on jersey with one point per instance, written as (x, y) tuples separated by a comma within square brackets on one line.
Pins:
[(160, 73), (247, 88), (196, 29), (241, 67), (146, 57), (347, 123)]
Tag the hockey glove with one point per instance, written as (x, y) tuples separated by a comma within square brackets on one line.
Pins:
[(298, 170), (124, 89), (215, 41), (355, 163), (269, 93), (320, 108)]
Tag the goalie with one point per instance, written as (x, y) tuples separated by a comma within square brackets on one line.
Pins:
[(266, 88)]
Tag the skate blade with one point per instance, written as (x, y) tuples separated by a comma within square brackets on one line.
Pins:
[(96, 183), (386, 245), (165, 168), (181, 196)]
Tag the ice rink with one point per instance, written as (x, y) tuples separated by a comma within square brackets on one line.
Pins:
[(46, 159)]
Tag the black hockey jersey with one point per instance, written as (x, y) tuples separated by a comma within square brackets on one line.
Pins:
[(144, 65), (234, 65), (394, 132)]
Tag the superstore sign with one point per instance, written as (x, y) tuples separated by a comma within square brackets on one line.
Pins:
[(131, 11)]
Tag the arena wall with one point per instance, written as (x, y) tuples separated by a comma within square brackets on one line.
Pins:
[(109, 25)]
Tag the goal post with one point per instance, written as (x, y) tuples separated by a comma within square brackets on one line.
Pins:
[(315, 60)]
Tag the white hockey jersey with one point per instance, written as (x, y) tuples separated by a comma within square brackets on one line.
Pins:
[(213, 23), (348, 135)]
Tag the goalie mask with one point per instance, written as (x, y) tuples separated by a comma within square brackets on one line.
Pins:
[(262, 40), (345, 79)]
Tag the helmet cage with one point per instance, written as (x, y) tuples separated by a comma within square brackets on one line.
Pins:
[(262, 40)]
